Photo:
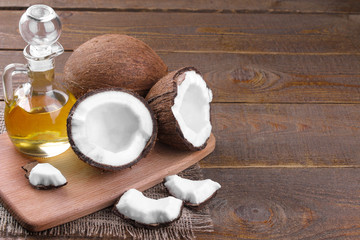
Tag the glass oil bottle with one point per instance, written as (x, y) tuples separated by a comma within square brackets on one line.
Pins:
[(36, 112)]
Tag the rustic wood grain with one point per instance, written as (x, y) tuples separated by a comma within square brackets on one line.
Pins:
[(279, 78), (285, 76), (285, 135), (205, 32), (249, 78), (299, 203), (239, 6)]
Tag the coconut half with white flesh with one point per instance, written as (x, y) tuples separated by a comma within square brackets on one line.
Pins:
[(111, 128), (141, 210), (181, 104), (194, 192)]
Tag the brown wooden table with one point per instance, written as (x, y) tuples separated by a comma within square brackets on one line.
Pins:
[(286, 80)]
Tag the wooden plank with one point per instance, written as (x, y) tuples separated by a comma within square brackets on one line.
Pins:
[(205, 32), (285, 135), (249, 78), (304, 6), (296, 203), (279, 78), (88, 190)]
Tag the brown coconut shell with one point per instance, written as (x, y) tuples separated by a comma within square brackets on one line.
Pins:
[(112, 60), (161, 98), (147, 149)]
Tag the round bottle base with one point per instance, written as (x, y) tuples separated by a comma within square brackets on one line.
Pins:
[(40, 148)]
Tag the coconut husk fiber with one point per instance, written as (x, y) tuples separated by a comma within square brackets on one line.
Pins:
[(105, 223)]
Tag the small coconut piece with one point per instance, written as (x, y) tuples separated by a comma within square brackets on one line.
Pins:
[(44, 176), (112, 60), (111, 128), (193, 193), (181, 103), (140, 210)]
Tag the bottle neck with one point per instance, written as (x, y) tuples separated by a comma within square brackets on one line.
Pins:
[(41, 65), (41, 82)]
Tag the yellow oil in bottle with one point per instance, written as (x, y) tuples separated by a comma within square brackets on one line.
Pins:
[(36, 117)]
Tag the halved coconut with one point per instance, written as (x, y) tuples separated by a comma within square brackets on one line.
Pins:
[(181, 103), (111, 128)]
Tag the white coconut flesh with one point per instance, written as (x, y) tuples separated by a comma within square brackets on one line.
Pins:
[(191, 191), (111, 127), (47, 175), (134, 205), (192, 109)]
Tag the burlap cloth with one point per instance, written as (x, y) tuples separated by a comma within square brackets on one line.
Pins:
[(106, 224)]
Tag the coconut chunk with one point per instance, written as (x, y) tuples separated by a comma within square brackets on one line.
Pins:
[(111, 128), (194, 193), (44, 175), (133, 205), (181, 103)]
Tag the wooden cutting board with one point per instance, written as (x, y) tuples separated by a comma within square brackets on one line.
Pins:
[(88, 189)]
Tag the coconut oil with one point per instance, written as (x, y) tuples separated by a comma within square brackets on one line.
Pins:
[(36, 117)]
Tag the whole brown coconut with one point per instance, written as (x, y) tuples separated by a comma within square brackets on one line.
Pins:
[(112, 60)]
